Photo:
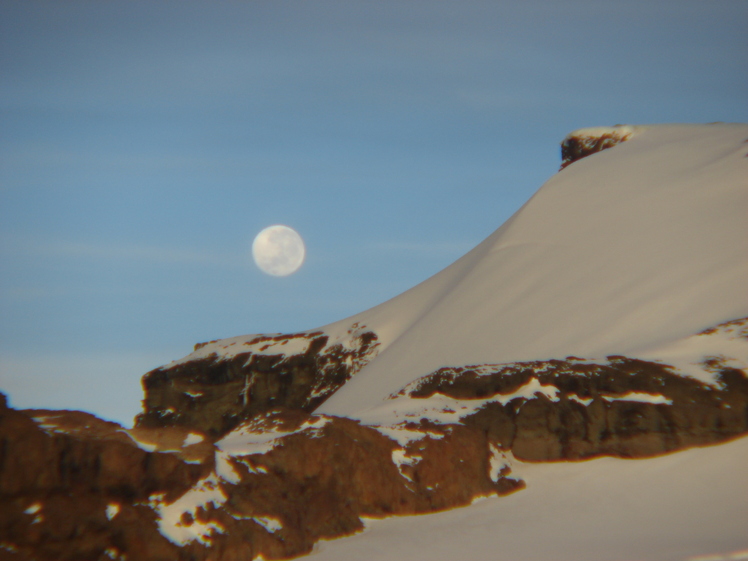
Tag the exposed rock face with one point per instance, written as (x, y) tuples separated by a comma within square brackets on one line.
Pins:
[(226, 382), (585, 142), (626, 408), (59, 490), (75, 487), (321, 474)]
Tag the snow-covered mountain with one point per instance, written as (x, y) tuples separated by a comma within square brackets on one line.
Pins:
[(616, 255), (622, 253), (607, 317)]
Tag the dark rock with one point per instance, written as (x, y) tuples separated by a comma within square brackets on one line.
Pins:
[(215, 394), (690, 413), (584, 143), (55, 488), (316, 483)]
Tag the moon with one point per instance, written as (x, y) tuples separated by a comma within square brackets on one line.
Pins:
[(278, 250)]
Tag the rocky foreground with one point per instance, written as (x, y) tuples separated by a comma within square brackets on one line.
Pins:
[(279, 478)]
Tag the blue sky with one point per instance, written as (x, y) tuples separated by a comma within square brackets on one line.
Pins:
[(144, 144)]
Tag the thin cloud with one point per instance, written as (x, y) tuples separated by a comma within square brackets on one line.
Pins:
[(423, 248), (126, 252)]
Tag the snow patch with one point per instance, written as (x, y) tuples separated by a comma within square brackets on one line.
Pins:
[(404, 435), (400, 459), (270, 524), (344, 334), (701, 356), (112, 510), (620, 131), (657, 399), (225, 470), (47, 424), (192, 438), (253, 438), (33, 509), (441, 409), (246, 440), (178, 521), (498, 461), (265, 344), (146, 446), (251, 466), (115, 554), (583, 401), (532, 388)]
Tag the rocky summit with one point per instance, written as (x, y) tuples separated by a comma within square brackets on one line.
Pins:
[(257, 447)]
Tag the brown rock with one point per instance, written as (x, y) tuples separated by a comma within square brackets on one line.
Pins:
[(576, 147), (214, 395), (56, 485)]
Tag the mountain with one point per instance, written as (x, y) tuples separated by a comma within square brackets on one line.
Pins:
[(607, 317)]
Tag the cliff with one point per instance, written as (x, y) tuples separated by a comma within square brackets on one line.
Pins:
[(228, 381)]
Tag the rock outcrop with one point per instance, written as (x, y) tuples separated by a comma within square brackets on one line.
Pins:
[(626, 408), (585, 142), (75, 487), (225, 382)]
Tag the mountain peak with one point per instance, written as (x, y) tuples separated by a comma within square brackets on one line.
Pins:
[(585, 142)]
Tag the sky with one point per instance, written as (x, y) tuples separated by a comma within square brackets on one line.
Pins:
[(143, 145)]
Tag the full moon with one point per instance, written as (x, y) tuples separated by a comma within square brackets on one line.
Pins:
[(278, 250)]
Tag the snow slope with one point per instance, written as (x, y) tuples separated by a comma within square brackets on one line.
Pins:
[(628, 250), (689, 506)]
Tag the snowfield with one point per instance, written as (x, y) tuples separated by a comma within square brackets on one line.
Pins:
[(688, 506), (633, 248)]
